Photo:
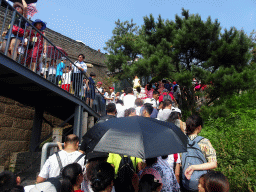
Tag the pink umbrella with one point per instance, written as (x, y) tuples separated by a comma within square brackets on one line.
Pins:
[(53, 53)]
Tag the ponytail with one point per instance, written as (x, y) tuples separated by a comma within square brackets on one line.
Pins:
[(66, 185), (103, 176)]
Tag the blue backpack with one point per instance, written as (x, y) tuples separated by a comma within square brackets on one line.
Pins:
[(193, 156)]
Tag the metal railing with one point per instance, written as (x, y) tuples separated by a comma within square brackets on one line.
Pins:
[(45, 152), (26, 44)]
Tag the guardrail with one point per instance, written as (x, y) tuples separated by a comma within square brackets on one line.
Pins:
[(26, 43), (45, 151)]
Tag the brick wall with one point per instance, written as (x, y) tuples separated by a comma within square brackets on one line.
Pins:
[(16, 121)]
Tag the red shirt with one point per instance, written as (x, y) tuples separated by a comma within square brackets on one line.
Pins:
[(161, 97)]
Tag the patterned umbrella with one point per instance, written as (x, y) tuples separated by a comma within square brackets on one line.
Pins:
[(54, 53)]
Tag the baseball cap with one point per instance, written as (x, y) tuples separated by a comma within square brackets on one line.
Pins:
[(51, 185), (112, 88), (100, 82), (63, 58), (154, 172)]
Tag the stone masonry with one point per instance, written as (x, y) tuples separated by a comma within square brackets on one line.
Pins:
[(16, 121)]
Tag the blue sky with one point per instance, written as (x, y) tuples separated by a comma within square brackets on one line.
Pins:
[(92, 22)]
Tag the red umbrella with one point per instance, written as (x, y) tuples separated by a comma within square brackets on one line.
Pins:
[(54, 53)]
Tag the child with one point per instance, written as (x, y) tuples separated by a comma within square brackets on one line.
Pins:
[(66, 79), (213, 181)]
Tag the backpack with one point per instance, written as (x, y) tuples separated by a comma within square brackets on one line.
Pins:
[(61, 166), (125, 174), (193, 156)]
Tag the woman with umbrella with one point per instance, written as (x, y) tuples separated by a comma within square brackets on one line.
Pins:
[(17, 29), (37, 44)]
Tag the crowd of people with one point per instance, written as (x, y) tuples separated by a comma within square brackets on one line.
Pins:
[(73, 170), (99, 171)]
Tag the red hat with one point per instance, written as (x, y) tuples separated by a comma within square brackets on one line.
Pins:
[(100, 82), (112, 88), (174, 83)]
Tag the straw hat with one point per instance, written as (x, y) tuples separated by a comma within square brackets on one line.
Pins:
[(17, 4)]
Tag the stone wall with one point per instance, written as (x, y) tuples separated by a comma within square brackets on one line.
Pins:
[(16, 121)]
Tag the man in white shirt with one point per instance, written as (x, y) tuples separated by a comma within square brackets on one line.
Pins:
[(129, 99), (78, 68), (67, 156), (120, 108), (112, 97), (164, 114)]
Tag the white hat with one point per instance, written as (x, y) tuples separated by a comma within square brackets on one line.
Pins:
[(176, 110), (148, 100)]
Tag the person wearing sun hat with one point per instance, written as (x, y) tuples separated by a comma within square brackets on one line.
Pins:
[(19, 25), (38, 44), (150, 180)]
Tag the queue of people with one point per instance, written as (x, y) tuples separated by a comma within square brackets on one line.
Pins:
[(74, 171)]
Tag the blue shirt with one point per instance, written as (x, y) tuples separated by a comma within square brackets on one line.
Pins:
[(60, 68), (153, 114)]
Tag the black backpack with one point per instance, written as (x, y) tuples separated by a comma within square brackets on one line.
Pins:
[(125, 174)]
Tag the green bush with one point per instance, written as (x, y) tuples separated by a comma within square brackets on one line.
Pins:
[(231, 128)]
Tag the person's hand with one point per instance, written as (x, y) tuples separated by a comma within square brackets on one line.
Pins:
[(59, 145), (189, 171)]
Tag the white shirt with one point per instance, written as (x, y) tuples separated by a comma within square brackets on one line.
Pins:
[(21, 48), (129, 101), (51, 167), (170, 160), (79, 64), (52, 70), (122, 96), (66, 78), (99, 90), (120, 110), (112, 95), (164, 114), (138, 111)]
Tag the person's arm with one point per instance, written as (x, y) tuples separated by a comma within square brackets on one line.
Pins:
[(44, 173), (177, 172), (40, 179), (205, 166), (44, 43), (25, 14)]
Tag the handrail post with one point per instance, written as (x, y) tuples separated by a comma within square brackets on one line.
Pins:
[(9, 34)]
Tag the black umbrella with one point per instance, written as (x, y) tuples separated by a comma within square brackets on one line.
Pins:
[(135, 136), (27, 1)]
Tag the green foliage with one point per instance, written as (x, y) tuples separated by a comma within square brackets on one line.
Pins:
[(231, 128), (182, 49), (123, 46)]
